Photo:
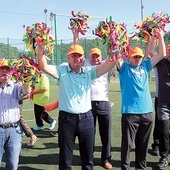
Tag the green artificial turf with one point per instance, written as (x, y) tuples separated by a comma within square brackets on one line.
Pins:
[(44, 154)]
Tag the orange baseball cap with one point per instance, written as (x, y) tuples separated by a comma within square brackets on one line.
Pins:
[(168, 47), (95, 51), (4, 63), (134, 51), (76, 49)]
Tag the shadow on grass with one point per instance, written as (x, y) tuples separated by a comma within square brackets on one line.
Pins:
[(27, 168), (46, 133), (49, 159)]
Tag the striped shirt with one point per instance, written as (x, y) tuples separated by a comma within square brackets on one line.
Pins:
[(9, 106)]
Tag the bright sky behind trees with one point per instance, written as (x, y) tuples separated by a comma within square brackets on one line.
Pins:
[(15, 14)]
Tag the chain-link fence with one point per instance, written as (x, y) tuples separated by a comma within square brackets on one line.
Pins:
[(14, 48)]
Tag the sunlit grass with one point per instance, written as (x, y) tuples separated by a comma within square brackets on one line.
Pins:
[(44, 154)]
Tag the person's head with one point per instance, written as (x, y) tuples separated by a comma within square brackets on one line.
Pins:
[(135, 56), (76, 57), (5, 73), (95, 56), (168, 52)]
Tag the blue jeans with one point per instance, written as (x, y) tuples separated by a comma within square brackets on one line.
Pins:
[(10, 143)]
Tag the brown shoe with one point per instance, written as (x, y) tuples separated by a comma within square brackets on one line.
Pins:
[(107, 165)]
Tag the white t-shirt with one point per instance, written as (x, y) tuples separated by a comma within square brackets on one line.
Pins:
[(99, 86)]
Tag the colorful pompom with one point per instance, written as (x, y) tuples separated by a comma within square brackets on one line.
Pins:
[(39, 33), (115, 36), (24, 70), (79, 22), (150, 24)]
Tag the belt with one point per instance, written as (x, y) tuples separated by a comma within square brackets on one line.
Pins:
[(63, 113), (8, 125)]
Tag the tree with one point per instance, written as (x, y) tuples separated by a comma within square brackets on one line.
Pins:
[(167, 37)]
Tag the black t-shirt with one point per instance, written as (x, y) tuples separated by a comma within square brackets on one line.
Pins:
[(163, 68)]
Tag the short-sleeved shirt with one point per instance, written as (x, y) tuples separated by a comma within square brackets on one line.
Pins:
[(99, 86), (9, 106), (163, 69), (135, 91), (74, 88), (43, 83)]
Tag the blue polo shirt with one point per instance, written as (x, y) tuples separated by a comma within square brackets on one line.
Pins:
[(135, 91), (74, 88)]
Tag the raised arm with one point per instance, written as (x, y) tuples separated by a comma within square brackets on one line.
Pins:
[(156, 57), (75, 36), (119, 63), (26, 89), (42, 62), (150, 47), (106, 66)]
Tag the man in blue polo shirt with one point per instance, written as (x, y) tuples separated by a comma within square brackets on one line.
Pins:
[(75, 117), (136, 109)]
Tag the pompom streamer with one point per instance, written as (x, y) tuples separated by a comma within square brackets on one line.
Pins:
[(36, 34)]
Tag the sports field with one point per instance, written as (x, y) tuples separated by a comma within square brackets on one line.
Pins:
[(44, 154)]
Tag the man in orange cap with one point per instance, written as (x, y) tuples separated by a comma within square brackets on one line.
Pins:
[(136, 109), (163, 107), (75, 116), (101, 107), (10, 131), (100, 104)]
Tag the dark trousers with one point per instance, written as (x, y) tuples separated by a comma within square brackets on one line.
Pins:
[(156, 128), (70, 126), (40, 115), (24, 125), (101, 110), (135, 128), (164, 128)]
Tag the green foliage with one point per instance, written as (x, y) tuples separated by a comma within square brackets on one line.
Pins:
[(10, 52), (167, 37), (7, 50)]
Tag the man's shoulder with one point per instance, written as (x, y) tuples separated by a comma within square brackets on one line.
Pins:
[(64, 64), (161, 63)]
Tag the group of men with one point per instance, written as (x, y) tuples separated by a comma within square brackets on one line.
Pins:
[(81, 99)]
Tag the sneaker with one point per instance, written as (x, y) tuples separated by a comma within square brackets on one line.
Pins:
[(38, 128), (155, 151), (163, 162), (55, 134), (52, 125), (107, 165)]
